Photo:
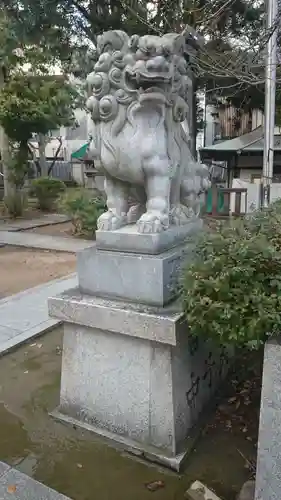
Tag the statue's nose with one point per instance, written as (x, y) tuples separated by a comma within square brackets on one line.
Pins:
[(158, 63)]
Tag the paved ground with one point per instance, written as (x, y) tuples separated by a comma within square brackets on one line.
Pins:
[(43, 241), (14, 484), (25, 315), (24, 224)]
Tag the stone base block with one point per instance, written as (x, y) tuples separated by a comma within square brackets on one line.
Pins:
[(127, 238), (146, 279), (132, 448), (133, 373)]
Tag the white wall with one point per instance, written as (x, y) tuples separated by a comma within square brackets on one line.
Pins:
[(253, 195), (253, 191), (246, 174), (52, 146), (78, 173), (275, 191), (72, 138)]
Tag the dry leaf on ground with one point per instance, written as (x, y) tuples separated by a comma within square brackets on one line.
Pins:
[(12, 488), (155, 485)]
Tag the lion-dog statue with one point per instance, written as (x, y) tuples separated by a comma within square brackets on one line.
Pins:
[(137, 96)]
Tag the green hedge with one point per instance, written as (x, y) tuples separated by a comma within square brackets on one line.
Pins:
[(83, 210), (231, 290), (47, 190)]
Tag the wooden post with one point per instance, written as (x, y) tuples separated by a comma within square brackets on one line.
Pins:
[(214, 200), (237, 209)]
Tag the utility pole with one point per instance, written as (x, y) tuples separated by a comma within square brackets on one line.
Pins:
[(270, 90)]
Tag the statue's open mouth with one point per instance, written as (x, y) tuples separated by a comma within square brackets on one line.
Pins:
[(146, 82)]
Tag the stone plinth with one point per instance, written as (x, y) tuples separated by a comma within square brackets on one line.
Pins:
[(146, 279), (131, 374), (127, 238), (268, 476)]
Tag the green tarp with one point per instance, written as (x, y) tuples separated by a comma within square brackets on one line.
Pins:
[(80, 153), (220, 202)]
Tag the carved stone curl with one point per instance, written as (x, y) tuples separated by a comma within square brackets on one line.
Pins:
[(136, 98)]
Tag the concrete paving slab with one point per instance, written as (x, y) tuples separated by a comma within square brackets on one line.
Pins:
[(6, 333), (23, 224), (4, 468), (21, 487), (27, 335), (25, 315), (44, 241)]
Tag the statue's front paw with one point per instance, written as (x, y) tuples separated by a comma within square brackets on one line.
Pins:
[(110, 221), (153, 223)]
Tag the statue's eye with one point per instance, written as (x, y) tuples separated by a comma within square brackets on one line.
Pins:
[(106, 106)]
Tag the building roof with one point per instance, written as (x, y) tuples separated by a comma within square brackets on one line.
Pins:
[(252, 142)]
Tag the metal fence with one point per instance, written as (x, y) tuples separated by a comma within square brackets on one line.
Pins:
[(61, 170)]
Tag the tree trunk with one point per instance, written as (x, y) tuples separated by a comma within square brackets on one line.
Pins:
[(42, 154), (9, 188)]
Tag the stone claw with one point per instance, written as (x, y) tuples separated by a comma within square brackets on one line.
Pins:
[(152, 223), (135, 213), (181, 215), (110, 221)]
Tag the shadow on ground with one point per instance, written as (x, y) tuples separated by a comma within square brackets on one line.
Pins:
[(82, 467)]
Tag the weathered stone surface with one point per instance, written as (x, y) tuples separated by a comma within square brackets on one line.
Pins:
[(14, 484), (146, 279), (268, 476), (138, 381), (198, 491), (159, 325), (128, 239), (247, 491)]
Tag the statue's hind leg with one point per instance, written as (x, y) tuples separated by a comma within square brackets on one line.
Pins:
[(137, 205), (178, 212), (117, 203), (189, 197)]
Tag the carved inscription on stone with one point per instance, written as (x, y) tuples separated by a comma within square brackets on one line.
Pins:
[(193, 391)]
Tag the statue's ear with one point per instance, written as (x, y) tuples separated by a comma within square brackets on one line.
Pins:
[(134, 42)]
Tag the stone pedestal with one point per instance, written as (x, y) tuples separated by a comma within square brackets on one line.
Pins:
[(130, 372), (268, 475)]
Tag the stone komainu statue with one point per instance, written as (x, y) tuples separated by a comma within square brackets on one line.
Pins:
[(137, 98)]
